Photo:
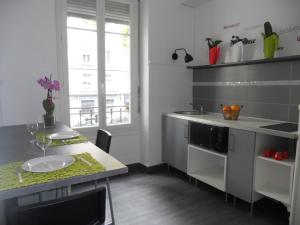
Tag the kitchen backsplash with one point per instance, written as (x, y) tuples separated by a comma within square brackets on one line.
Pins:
[(270, 91)]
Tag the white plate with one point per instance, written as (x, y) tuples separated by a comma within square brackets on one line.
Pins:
[(48, 163), (63, 135)]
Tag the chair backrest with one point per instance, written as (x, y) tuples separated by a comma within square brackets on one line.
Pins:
[(83, 209), (103, 140)]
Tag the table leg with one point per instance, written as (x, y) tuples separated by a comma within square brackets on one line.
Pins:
[(69, 190), (110, 202), (56, 193)]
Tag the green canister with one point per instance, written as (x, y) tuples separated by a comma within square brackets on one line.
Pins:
[(270, 45)]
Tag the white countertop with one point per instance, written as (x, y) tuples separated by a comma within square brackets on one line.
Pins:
[(243, 123)]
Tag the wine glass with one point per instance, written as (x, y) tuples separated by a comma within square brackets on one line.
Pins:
[(44, 143), (32, 128)]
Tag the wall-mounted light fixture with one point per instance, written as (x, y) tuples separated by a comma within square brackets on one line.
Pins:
[(188, 58)]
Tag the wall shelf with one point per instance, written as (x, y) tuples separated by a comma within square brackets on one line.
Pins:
[(250, 62)]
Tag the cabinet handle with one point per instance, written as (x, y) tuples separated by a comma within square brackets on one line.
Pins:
[(211, 135), (186, 131), (231, 142)]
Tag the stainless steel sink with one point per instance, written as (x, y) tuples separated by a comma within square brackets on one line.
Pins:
[(189, 112)]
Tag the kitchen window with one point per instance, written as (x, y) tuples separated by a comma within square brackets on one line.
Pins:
[(101, 63)]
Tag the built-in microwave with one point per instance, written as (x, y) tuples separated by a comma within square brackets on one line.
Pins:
[(209, 136)]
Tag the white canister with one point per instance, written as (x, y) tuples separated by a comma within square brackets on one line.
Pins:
[(236, 52)]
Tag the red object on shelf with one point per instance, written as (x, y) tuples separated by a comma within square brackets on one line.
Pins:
[(286, 154), (278, 156), (269, 153), (214, 54), (273, 152)]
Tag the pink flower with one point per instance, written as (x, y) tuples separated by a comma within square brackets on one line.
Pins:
[(56, 85), (49, 85)]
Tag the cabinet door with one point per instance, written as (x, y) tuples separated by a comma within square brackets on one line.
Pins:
[(174, 142), (240, 165)]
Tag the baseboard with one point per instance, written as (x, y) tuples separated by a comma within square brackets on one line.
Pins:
[(138, 167)]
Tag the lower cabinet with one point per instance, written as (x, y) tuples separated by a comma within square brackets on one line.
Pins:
[(207, 166), (240, 165), (272, 178), (175, 135)]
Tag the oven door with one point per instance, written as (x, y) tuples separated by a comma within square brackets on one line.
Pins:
[(203, 135)]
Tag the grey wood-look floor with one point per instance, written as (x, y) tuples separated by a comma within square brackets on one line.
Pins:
[(167, 199)]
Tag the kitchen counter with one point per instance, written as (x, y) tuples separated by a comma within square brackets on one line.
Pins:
[(243, 123)]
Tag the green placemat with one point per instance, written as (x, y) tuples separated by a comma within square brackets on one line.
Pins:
[(80, 139), (9, 179)]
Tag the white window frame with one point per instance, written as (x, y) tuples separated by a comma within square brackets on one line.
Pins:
[(61, 25)]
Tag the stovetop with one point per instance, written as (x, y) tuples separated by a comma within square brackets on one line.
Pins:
[(285, 127)]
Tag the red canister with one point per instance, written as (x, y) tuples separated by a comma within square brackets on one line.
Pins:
[(214, 54)]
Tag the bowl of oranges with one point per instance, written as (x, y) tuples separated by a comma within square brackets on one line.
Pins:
[(231, 112)]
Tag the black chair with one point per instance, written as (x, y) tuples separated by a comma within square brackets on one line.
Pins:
[(83, 209), (103, 140)]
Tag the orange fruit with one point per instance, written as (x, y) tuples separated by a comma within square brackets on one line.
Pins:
[(235, 107), (226, 108)]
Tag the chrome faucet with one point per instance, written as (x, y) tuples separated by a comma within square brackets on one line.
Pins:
[(201, 108)]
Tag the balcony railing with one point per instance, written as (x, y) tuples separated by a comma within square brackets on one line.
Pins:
[(89, 117), (117, 115), (84, 117)]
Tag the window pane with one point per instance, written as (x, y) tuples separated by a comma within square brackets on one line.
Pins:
[(77, 22), (118, 79), (111, 27), (83, 72)]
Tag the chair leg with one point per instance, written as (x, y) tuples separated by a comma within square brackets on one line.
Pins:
[(110, 202), (234, 201), (251, 208)]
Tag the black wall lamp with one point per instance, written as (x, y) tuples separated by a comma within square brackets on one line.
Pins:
[(188, 58)]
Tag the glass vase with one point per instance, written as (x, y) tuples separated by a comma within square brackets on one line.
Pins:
[(49, 121)]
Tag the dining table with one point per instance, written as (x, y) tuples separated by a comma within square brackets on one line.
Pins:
[(15, 146)]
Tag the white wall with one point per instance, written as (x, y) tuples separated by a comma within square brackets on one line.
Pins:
[(213, 15), (166, 85), (28, 51)]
